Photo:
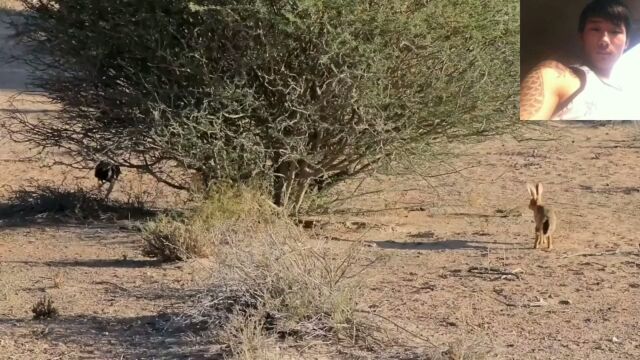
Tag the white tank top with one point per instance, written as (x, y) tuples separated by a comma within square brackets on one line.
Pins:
[(597, 99), (626, 72)]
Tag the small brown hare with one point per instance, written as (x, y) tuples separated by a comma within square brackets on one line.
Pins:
[(544, 217)]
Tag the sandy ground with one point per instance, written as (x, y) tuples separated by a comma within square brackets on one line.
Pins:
[(579, 301), (455, 259)]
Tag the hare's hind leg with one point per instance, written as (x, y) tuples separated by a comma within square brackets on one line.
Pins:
[(536, 242), (549, 242)]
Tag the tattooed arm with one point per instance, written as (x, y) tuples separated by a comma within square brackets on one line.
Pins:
[(546, 86)]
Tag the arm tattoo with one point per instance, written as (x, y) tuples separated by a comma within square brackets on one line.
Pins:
[(532, 90), (531, 94)]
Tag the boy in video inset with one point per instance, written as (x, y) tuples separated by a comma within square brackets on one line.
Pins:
[(582, 92)]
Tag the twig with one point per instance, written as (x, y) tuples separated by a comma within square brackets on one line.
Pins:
[(399, 327), (494, 271), (454, 171), (603, 253), (505, 302), (504, 172), (536, 139), (120, 287), (538, 303)]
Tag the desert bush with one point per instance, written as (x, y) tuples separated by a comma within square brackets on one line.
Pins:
[(172, 240), (215, 218), (273, 283), (292, 276), (284, 92)]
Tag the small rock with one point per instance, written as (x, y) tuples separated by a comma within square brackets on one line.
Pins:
[(565, 302), (538, 303), (615, 340)]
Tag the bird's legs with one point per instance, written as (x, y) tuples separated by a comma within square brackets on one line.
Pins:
[(111, 185)]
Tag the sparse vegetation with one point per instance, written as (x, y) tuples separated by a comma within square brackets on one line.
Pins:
[(44, 309)]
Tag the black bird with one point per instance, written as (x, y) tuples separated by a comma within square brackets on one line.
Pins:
[(107, 172)]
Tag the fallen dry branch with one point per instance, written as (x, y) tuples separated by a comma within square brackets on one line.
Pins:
[(398, 326), (603, 253), (119, 287), (539, 303), (502, 273)]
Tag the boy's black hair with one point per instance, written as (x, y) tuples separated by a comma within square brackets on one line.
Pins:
[(612, 10)]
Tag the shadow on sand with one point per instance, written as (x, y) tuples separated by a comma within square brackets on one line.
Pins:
[(48, 205), (437, 245), (138, 337)]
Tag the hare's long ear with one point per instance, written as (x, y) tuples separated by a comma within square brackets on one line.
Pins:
[(532, 191), (539, 187)]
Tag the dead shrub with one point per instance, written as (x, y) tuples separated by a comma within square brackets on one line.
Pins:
[(248, 340), (44, 309), (274, 283), (292, 276)]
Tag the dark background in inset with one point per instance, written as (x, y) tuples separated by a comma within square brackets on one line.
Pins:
[(549, 30)]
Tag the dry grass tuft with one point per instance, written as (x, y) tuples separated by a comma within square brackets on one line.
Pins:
[(248, 340), (197, 233), (58, 280), (44, 309)]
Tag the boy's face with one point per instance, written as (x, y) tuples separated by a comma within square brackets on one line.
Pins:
[(603, 43)]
